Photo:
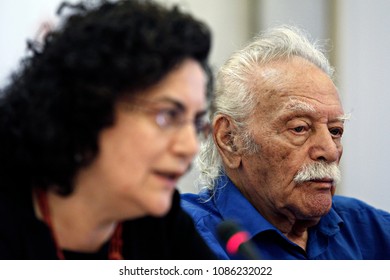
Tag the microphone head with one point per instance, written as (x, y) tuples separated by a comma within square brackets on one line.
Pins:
[(236, 241), (226, 229)]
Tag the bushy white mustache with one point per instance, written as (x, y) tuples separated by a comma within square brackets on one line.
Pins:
[(318, 170)]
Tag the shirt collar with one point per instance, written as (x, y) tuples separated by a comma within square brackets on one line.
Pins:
[(232, 205)]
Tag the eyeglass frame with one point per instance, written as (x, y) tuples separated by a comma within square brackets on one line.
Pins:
[(164, 121)]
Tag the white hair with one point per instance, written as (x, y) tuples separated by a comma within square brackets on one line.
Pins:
[(235, 94)]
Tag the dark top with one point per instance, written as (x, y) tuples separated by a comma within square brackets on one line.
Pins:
[(23, 236), (351, 230)]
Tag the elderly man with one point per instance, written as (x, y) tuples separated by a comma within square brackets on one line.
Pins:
[(272, 163)]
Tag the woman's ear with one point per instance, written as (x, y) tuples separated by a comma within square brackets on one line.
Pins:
[(225, 137)]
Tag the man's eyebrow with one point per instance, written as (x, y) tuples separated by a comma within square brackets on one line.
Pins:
[(300, 106), (344, 117)]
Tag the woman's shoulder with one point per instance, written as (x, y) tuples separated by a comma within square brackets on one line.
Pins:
[(172, 236)]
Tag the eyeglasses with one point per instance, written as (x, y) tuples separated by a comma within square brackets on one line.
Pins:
[(170, 116)]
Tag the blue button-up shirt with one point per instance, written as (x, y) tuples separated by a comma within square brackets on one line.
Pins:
[(351, 230)]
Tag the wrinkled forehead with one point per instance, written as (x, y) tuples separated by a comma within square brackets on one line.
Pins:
[(279, 102), (303, 107)]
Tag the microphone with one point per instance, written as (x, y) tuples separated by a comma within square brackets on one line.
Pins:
[(236, 241)]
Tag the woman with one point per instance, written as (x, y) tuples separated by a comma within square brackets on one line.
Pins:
[(95, 130)]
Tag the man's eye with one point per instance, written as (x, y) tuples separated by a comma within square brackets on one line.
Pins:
[(299, 129), (336, 132)]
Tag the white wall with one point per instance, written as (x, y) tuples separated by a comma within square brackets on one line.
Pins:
[(311, 15), (229, 21), (363, 62), (20, 20)]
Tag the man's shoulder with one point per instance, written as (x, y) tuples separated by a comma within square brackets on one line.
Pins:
[(344, 202), (195, 200), (364, 230), (200, 206), (196, 203), (204, 212), (352, 206)]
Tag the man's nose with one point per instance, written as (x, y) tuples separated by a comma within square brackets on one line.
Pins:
[(325, 147)]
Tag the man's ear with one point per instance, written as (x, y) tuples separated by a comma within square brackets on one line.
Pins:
[(225, 137)]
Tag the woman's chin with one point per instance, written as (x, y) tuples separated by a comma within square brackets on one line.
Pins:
[(161, 207)]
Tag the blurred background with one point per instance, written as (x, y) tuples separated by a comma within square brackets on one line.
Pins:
[(358, 43)]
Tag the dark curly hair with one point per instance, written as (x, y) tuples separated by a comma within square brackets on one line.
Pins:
[(64, 94)]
